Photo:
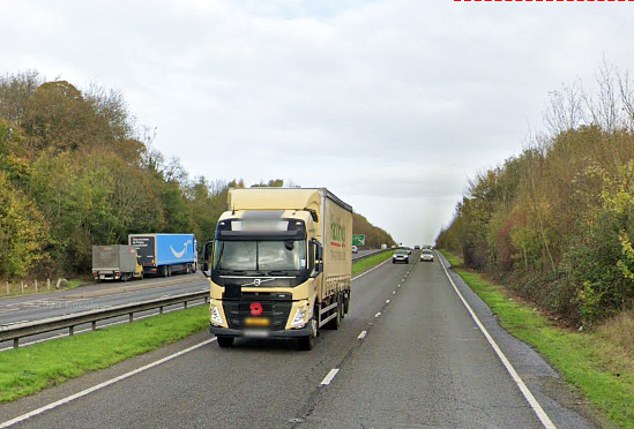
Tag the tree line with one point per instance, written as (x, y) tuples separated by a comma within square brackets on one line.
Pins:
[(374, 236), (556, 222), (75, 171)]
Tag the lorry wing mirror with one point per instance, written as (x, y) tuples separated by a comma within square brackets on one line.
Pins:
[(319, 254), (208, 255)]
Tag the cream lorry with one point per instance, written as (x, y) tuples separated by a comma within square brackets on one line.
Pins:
[(280, 265)]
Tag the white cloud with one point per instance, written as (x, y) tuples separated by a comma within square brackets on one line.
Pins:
[(391, 103)]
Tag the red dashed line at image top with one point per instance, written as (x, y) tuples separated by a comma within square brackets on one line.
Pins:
[(543, 1)]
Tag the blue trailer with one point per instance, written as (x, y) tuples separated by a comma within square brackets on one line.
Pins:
[(165, 254)]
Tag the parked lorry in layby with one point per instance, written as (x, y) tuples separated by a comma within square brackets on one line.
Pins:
[(115, 262), (165, 254), (280, 265)]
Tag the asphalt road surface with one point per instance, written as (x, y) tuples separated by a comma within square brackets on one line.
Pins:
[(103, 295), (33, 307), (408, 355)]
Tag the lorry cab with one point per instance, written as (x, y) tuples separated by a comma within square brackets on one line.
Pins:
[(267, 266)]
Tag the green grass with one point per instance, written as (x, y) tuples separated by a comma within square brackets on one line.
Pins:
[(15, 288), (371, 261), (74, 283), (28, 370), (602, 372)]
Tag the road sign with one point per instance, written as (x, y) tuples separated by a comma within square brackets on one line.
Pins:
[(358, 239)]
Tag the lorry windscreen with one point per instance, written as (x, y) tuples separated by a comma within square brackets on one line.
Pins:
[(286, 257)]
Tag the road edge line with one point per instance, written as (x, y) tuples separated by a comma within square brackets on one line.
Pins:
[(358, 276), (99, 386), (114, 380), (528, 395)]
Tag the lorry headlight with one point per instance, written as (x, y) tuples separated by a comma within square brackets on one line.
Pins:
[(300, 318), (216, 318)]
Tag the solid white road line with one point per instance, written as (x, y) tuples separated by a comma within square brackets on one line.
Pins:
[(96, 387), (91, 389), (537, 408), (328, 378), (370, 270), (362, 335)]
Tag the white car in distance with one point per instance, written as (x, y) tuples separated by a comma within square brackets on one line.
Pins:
[(427, 255)]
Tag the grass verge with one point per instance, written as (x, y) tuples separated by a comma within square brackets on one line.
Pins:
[(602, 370), (371, 261), (28, 370)]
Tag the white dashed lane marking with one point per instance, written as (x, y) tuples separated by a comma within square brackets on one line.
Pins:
[(329, 377)]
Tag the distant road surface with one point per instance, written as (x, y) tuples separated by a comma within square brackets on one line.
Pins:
[(102, 295), (408, 355), (40, 306)]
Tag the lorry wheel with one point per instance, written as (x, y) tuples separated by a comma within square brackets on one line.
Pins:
[(224, 342), (308, 342), (342, 307), (346, 303)]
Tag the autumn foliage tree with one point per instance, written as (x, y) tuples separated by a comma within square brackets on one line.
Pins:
[(76, 171), (556, 223)]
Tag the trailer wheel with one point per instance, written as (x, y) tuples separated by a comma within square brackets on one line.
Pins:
[(224, 342), (346, 302)]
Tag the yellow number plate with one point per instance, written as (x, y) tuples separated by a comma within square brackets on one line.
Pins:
[(257, 321)]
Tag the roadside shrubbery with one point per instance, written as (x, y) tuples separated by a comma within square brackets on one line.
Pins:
[(556, 223)]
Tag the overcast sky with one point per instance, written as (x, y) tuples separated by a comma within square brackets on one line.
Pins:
[(392, 104)]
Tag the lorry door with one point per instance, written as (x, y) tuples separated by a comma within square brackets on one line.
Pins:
[(145, 248)]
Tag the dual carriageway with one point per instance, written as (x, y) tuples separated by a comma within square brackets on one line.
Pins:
[(418, 349)]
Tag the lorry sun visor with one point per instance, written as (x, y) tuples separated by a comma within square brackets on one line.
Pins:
[(224, 235), (263, 214)]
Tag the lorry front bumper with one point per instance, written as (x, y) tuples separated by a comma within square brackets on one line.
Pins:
[(259, 333)]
